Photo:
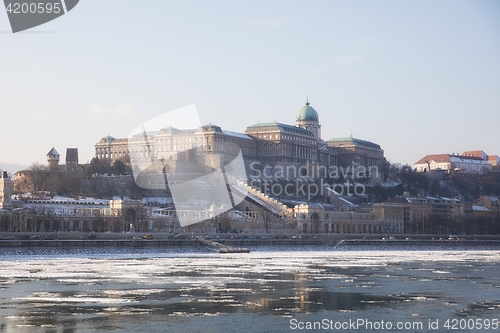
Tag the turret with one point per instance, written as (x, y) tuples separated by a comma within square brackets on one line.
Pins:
[(53, 159)]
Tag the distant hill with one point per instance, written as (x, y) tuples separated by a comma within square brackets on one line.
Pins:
[(12, 168)]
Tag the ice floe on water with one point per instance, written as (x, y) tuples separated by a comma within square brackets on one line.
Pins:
[(188, 290)]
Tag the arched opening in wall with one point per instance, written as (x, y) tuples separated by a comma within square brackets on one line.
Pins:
[(16, 225), (303, 172), (4, 223), (103, 227), (315, 223), (115, 225), (29, 225), (131, 220), (144, 227), (85, 226)]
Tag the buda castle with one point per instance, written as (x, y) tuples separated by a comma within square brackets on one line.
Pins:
[(268, 144)]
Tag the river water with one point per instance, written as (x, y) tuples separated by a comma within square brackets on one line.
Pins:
[(268, 290)]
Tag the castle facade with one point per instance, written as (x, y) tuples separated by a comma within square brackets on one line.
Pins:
[(267, 144)]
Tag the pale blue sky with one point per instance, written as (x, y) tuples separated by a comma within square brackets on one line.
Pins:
[(417, 77)]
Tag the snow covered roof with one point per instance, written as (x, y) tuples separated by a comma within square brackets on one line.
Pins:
[(156, 200), (346, 201), (390, 184), (58, 200), (468, 159), (480, 208), (430, 199), (446, 158), (443, 199)]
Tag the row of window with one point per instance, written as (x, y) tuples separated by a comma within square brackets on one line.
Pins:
[(284, 137)]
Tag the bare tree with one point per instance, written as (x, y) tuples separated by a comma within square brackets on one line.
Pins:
[(71, 184), (38, 177), (224, 222), (42, 215), (266, 217), (159, 224)]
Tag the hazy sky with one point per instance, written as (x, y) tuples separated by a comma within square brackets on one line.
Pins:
[(416, 77)]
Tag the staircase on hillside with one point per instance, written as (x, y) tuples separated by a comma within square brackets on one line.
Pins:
[(261, 199)]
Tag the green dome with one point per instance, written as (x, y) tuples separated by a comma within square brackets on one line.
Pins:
[(307, 113)]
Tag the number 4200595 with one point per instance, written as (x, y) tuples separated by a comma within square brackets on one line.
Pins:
[(41, 7), (472, 324)]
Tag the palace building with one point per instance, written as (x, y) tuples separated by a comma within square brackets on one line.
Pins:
[(269, 144)]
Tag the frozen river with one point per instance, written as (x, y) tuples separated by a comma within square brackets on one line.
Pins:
[(267, 290)]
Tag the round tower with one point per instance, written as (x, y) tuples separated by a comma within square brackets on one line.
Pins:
[(307, 118), (53, 159), (5, 191)]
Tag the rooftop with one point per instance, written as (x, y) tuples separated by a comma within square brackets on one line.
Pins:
[(236, 135), (71, 154), (282, 128), (353, 141), (475, 153), (53, 152), (481, 208), (211, 128), (107, 139), (437, 158)]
